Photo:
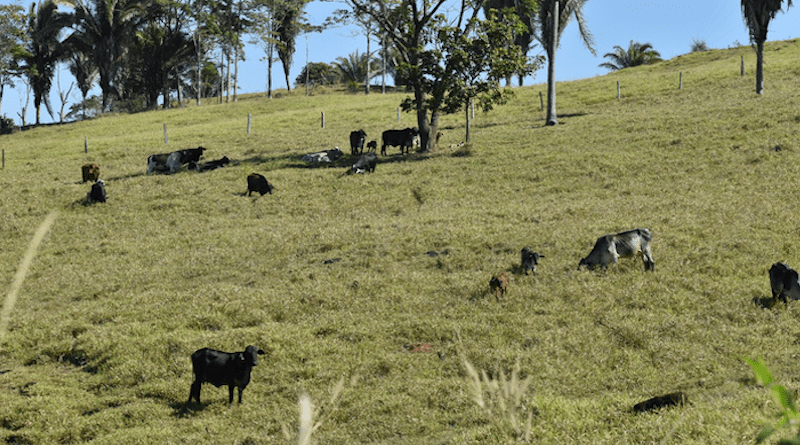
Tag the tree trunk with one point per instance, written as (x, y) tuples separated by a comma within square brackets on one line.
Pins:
[(269, 71), (760, 67), (236, 73), (366, 84), (467, 108), (551, 69)]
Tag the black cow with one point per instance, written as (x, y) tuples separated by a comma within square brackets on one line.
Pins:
[(402, 138), (366, 163), (258, 183), (223, 368), (97, 193), (357, 139), (210, 165), (785, 282), (529, 260)]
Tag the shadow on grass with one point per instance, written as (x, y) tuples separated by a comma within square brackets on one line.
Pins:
[(767, 302)]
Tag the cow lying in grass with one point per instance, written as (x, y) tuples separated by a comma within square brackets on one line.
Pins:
[(90, 172), (785, 282), (173, 162), (223, 368), (609, 248)]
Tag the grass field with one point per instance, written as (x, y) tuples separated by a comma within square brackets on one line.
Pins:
[(120, 294)]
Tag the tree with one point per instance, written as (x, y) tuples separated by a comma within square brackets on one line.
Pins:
[(524, 9), (43, 50), (417, 31), (478, 60), (12, 40), (636, 54), (357, 68), (318, 74), (105, 29), (552, 17), (365, 22), (289, 26), (757, 15)]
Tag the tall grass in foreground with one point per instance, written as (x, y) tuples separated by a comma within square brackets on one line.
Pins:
[(22, 271)]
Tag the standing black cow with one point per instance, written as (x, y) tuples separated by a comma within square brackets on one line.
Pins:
[(357, 139), (258, 183), (223, 368), (529, 260), (402, 138)]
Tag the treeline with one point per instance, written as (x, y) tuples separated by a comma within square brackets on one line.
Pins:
[(138, 52)]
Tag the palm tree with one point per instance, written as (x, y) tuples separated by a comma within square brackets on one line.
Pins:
[(43, 50), (552, 16), (636, 54), (353, 68), (105, 28), (757, 15)]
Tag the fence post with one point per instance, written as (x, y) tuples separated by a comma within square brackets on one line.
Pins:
[(86, 144), (323, 119), (165, 133), (742, 69), (541, 100), (398, 115), (618, 91), (4, 158), (680, 85), (248, 123)]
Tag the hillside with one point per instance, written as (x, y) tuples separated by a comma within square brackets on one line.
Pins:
[(335, 275)]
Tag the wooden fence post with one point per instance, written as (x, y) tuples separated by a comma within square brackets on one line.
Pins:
[(541, 100), (323, 119), (398, 115), (248, 122), (165, 133), (742, 68), (680, 83), (85, 144), (619, 94), (4, 158)]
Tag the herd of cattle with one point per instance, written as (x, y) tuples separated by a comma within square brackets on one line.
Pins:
[(233, 369)]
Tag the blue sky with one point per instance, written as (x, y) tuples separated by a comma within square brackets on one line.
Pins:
[(670, 26)]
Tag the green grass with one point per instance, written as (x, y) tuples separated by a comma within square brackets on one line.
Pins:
[(120, 294)]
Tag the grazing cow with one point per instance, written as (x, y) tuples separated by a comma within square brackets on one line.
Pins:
[(372, 146), (223, 368), (210, 165), (609, 248), (785, 282), (172, 162), (529, 260), (258, 183), (366, 163), (91, 172), (357, 139), (97, 193), (402, 138), (498, 284)]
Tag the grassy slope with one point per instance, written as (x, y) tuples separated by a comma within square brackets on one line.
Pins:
[(120, 294)]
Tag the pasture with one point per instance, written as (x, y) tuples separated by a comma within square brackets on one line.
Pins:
[(335, 276)]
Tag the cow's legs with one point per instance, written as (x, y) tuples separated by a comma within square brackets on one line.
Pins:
[(194, 392)]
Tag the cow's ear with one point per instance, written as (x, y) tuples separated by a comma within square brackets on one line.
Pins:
[(260, 352)]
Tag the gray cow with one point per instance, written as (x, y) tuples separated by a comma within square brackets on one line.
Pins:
[(529, 260), (609, 248), (784, 282)]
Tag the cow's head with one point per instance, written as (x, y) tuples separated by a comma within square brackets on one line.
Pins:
[(251, 354)]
